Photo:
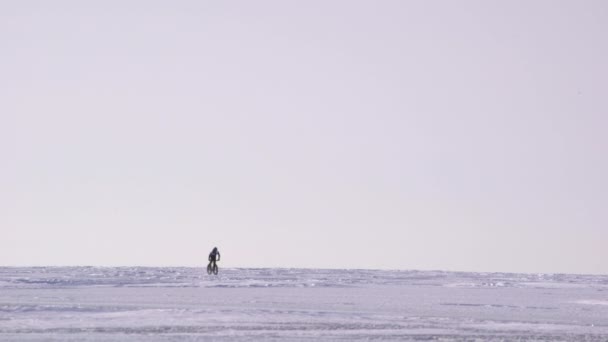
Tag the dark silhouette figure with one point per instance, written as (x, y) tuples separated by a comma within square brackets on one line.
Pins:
[(214, 256)]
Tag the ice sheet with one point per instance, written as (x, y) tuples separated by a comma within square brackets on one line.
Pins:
[(140, 303)]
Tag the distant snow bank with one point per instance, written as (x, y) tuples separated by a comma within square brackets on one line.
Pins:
[(58, 277)]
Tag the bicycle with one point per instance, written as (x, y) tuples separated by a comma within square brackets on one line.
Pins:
[(212, 269)]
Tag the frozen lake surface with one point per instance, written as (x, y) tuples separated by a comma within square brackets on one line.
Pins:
[(182, 304)]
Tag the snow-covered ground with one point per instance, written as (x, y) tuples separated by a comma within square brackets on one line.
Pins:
[(175, 304)]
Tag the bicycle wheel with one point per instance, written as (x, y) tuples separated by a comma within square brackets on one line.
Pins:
[(215, 269), (209, 269)]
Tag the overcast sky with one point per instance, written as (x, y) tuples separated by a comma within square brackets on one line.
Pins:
[(453, 135)]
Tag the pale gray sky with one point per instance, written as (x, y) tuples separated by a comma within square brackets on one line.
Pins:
[(457, 135)]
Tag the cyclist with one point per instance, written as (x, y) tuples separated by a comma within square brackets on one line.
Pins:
[(213, 257)]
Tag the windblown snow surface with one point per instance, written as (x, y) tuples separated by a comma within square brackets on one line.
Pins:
[(183, 304)]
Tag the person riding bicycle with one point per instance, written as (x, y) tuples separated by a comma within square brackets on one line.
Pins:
[(213, 257)]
